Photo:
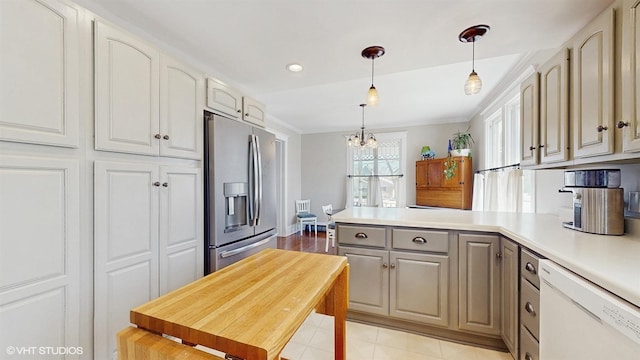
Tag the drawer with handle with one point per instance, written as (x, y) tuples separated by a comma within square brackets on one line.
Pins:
[(529, 267), (530, 308), (529, 347), (362, 235), (422, 240)]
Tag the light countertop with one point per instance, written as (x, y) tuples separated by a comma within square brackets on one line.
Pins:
[(612, 262)]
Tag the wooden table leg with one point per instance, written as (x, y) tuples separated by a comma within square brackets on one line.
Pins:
[(340, 304)]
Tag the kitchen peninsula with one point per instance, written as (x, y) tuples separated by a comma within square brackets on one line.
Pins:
[(610, 262)]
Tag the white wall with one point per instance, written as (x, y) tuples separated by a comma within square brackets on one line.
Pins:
[(324, 162)]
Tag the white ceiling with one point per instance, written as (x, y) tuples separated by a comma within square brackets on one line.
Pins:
[(420, 79)]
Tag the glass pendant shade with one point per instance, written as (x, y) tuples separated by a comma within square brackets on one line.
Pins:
[(473, 84), (372, 96)]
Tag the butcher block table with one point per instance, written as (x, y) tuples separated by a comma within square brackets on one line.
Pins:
[(252, 308)]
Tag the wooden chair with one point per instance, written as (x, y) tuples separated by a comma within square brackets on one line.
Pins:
[(331, 227), (304, 215), (135, 343)]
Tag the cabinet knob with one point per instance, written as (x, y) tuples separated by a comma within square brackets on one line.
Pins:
[(157, 136), (528, 356), (540, 146), (165, 184), (384, 265), (601, 128), (157, 183), (239, 111), (361, 235), (530, 309), (246, 115), (393, 265), (622, 124), (166, 137), (530, 268), (499, 255), (419, 240), (532, 148)]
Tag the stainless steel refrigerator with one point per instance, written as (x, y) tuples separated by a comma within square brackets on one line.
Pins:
[(240, 186)]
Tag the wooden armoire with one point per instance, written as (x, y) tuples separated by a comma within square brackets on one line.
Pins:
[(434, 189)]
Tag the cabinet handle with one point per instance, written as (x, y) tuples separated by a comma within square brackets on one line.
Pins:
[(600, 128), (528, 356), (530, 268), (239, 111), (540, 146), (361, 235), (166, 137), (419, 240), (393, 265), (157, 183), (532, 148), (157, 136), (622, 124), (384, 265), (529, 308), (165, 184)]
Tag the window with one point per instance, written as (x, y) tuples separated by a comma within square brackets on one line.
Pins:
[(502, 134), (375, 176)]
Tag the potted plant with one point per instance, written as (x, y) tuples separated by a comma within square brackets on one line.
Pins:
[(461, 143)]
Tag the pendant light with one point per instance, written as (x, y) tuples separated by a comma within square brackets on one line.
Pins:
[(359, 139), (473, 34), (372, 52)]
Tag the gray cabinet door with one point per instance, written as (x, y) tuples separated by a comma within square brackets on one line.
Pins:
[(479, 286), (419, 287), (368, 280), (509, 295)]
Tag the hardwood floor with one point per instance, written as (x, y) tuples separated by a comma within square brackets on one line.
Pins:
[(307, 242)]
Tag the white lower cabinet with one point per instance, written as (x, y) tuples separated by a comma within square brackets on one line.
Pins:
[(148, 240), (39, 254)]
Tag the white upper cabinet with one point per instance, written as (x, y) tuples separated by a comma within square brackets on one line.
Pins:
[(554, 108), (253, 111), (593, 76), (146, 102), (39, 72), (227, 101), (127, 92), (529, 120), (223, 99), (630, 123), (181, 118)]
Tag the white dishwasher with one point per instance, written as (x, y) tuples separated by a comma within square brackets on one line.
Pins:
[(579, 320)]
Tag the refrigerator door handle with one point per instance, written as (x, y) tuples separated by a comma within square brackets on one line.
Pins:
[(253, 181), (251, 178), (226, 254), (258, 181)]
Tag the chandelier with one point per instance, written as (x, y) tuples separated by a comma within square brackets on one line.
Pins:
[(359, 139)]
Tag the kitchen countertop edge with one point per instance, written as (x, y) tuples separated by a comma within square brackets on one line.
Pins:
[(618, 272)]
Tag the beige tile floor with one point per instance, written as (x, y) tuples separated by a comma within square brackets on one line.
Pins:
[(314, 340)]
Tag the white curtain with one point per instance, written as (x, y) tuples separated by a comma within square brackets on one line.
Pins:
[(478, 192), (513, 198), (349, 203), (375, 192), (503, 191)]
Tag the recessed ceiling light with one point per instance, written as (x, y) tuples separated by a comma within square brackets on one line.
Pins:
[(294, 67)]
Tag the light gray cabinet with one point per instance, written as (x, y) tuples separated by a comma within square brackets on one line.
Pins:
[(554, 108), (509, 278), (630, 123), (593, 88), (419, 287), (368, 279), (479, 283), (529, 305), (530, 120)]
